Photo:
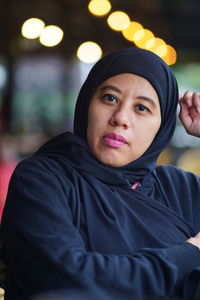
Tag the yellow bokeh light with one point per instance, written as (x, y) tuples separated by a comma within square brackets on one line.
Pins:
[(118, 20), (162, 50), (51, 36), (142, 37), (138, 35), (132, 28), (150, 42), (89, 52), (189, 161), (99, 7), (32, 28), (171, 56), (154, 43)]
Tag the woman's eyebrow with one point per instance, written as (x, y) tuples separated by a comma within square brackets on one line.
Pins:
[(151, 101), (110, 87)]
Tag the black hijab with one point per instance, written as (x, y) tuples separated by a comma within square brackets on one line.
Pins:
[(148, 65)]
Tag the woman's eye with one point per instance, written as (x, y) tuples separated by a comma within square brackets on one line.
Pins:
[(142, 108), (110, 98)]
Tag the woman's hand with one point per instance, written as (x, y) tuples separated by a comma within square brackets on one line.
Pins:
[(195, 240), (190, 112)]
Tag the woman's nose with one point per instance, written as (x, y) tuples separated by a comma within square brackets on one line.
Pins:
[(121, 117)]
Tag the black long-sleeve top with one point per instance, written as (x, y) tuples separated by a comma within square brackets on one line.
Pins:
[(66, 228)]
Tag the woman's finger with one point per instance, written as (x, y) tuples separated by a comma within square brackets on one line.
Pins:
[(187, 98), (196, 102)]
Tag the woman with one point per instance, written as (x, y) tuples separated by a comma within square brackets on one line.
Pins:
[(90, 212)]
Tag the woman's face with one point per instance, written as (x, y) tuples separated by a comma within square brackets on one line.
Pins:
[(123, 119)]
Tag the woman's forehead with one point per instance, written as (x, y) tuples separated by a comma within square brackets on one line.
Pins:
[(129, 81)]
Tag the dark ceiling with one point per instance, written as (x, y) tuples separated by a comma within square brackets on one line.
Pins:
[(175, 21)]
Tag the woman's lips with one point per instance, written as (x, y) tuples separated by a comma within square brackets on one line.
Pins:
[(114, 140)]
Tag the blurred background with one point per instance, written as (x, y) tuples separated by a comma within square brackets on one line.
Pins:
[(48, 47)]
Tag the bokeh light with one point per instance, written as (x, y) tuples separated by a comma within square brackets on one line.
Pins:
[(141, 37), (51, 36), (89, 52), (118, 20), (189, 161), (32, 28), (132, 28), (99, 7), (161, 50), (154, 43), (138, 35), (3, 76), (171, 56)]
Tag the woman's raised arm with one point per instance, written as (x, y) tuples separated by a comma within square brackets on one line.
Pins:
[(190, 112)]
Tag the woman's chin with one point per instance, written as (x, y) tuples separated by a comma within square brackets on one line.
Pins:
[(112, 161)]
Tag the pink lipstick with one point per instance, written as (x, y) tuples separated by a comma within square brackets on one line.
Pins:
[(114, 140)]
